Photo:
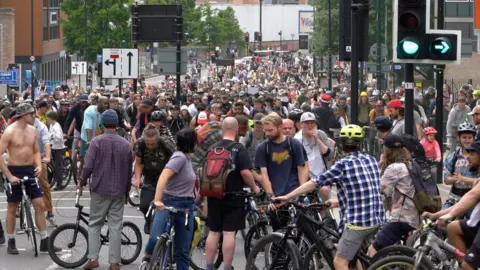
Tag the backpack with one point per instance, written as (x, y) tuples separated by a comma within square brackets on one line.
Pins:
[(427, 196), (216, 168), (205, 130), (414, 146), (250, 139)]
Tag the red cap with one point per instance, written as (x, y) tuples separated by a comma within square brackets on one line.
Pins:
[(395, 103), (325, 98)]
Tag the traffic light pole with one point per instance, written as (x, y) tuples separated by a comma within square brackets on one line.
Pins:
[(179, 53), (260, 41), (379, 41), (409, 84), (355, 59), (330, 68), (439, 69)]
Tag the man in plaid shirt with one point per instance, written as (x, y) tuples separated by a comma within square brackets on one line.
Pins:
[(357, 178)]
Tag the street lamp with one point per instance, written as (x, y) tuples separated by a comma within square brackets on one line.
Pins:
[(280, 34)]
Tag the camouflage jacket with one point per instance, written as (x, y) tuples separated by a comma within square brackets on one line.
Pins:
[(396, 183)]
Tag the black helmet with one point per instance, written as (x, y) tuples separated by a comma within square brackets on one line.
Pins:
[(158, 116)]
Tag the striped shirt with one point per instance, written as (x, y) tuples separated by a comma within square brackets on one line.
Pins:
[(357, 179), (108, 161)]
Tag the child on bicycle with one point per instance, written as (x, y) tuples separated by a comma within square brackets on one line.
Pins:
[(432, 149)]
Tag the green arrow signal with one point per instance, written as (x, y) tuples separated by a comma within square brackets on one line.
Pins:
[(443, 47)]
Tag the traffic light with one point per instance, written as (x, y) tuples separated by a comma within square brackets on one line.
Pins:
[(247, 37), (415, 42), (259, 36), (255, 36)]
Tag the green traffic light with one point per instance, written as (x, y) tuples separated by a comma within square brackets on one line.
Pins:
[(441, 45), (410, 47)]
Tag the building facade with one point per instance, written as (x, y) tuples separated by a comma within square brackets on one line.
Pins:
[(38, 33), (7, 37)]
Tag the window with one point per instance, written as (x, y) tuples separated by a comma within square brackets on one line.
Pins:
[(45, 3), (45, 24), (466, 28), (54, 22), (54, 32), (56, 3)]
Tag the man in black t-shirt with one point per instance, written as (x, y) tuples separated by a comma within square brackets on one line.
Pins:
[(224, 215)]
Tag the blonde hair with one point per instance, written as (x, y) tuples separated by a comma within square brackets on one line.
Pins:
[(273, 118)]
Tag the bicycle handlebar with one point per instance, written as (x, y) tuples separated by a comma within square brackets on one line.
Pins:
[(23, 180)]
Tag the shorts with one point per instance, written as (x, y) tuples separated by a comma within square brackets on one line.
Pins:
[(83, 148), (223, 217), (352, 240), (472, 242), (32, 188), (147, 195), (391, 233)]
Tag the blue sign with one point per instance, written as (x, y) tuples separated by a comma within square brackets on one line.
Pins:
[(397, 67), (99, 58), (34, 67), (9, 77)]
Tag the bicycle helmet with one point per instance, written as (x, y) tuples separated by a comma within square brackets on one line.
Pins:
[(467, 128), (158, 116), (352, 135), (429, 130)]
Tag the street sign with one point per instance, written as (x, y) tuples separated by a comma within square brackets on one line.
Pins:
[(32, 58), (120, 63), (34, 67), (79, 68), (9, 77), (165, 61), (99, 58), (383, 51), (397, 67), (372, 67)]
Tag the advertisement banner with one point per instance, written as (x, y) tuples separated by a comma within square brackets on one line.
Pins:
[(305, 21)]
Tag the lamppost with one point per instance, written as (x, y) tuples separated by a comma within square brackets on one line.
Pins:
[(280, 34), (86, 41), (260, 42)]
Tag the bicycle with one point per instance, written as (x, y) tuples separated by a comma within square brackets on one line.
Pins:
[(67, 173), (27, 224), (78, 230)]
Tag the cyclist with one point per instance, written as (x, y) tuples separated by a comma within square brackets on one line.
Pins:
[(159, 119), (20, 141), (357, 179), (457, 171), (463, 234)]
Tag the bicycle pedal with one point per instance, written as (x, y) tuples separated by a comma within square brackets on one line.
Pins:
[(20, 232)]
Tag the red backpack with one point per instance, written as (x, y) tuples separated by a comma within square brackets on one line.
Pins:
[(216, 168)]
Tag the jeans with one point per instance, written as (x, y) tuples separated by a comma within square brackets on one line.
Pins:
[(183, 237)]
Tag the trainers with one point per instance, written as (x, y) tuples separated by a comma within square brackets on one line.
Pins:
[(12, 247), (44, 246), (51, 220), (144, 265), (2, 238)]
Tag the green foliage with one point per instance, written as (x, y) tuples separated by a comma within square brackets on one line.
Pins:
[(101, 16), (320, 35)]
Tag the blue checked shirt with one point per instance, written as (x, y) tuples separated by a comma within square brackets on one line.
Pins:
[(357, 179)]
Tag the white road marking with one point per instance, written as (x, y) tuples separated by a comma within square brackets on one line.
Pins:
[(63, 257), (62, 199), (58, 192)]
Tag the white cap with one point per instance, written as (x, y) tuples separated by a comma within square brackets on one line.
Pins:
[(308, 116)]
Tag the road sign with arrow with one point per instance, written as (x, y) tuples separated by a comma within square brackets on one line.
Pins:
[(79, 68), (120, 63)]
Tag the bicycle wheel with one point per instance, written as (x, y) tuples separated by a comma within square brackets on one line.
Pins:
[(157, 260), (268, 246), (131, 241), (316, 259), (399, 262), (134, 197), (395, 250), (255, 233), (70, 257), (31, 235), (50, 174), (197, 256), (417, 239)]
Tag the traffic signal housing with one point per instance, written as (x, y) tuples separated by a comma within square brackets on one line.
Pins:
[(259, 36), (247, 37), (414, 41)]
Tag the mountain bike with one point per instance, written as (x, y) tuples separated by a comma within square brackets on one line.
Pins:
[(70, 257), (67, 173), (27, 224)]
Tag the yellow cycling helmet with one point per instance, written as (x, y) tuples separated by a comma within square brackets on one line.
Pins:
[(476, 92), (351, 135), (363, 94)]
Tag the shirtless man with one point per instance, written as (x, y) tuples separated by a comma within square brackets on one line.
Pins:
[(20, 142)]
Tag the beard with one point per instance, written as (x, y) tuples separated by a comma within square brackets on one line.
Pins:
[(274, 137)]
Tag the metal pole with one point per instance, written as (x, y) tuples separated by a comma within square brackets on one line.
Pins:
[(439, 116), (330, 45), (86, 42), (179, 52), (281, 40), (260, 42), (355, 59), (120, 85), (379, 41), (409, 83), (33, 49)]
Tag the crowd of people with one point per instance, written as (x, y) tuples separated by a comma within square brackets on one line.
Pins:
[(285, 134)]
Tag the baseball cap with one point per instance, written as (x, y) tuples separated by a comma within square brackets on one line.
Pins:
[(308, 116), (324, 98), (393, 141), (84, 97), (383, 122), (257, 118), (476, 110), (23, 109), (395, 103), (202, 118), (184, 107), (109, 117), (474, 147), (147, 103)]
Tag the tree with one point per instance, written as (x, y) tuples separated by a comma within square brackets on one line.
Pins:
[(108, 26)]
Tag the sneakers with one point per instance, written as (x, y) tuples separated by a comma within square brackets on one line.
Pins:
[(12, 247), (144, 265), (51, 219), (44, 246), (2, 235)]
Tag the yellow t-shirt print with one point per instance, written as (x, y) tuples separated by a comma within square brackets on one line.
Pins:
[(280, 157)]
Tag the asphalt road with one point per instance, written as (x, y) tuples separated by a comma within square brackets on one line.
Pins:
[(65, 212)]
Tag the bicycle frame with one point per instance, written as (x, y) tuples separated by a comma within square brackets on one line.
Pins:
[(436, 244), (170, 234)]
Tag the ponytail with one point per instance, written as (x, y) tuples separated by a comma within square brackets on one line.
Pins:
[(150, 131)]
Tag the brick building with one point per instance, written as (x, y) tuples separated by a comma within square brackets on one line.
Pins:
[(7, 37), (40, 36)]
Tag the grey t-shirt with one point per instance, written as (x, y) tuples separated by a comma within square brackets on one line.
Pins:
[(252, 148), (183, 181), (399, 125)]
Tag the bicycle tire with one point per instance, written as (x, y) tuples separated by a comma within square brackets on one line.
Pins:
[(252, 233), (292, 251), (125, 242), (158, 254), (50, 174), (417, 235), (402, 260), (395, 250), (51, 244), (312, 251), (218, 261), (130, 201), (31, 227), (66, 174)]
